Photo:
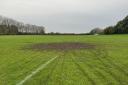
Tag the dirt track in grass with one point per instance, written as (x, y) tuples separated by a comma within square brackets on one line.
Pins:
[(62, 46)]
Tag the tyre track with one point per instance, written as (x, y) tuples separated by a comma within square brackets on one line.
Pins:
[(28, 63), (98, 73), (108, 70), (62, 68), (51, 71), (83, 72), (35, 71), (16, 62), (116, 66)]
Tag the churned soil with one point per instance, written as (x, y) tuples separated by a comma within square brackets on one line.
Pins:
[(62, 46)]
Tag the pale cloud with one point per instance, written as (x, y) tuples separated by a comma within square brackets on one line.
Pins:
[(66, 15)]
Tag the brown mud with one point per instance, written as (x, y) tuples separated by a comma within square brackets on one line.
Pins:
[(62, 46)]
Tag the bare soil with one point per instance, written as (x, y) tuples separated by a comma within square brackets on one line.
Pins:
[(62, 46)]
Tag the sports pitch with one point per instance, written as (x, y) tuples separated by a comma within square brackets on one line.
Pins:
[(62, 60)]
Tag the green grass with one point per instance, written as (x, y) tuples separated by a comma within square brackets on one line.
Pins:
[(107, 64)]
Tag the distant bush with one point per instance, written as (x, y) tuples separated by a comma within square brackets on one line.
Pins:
[(96, 31)]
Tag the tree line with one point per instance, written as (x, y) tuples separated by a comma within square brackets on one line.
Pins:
[(12, 29), (120, 28), (10, 26)]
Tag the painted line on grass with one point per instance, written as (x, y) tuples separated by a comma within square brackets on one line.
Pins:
[(36, 71)]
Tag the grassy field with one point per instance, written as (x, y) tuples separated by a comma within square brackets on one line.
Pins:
[(107, 64)]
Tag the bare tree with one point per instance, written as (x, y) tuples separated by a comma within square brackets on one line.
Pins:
[(21, 27)]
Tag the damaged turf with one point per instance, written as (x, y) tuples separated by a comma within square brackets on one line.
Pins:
[(62, 46)]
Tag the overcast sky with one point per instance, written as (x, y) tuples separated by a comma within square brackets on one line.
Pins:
[(66, 15)]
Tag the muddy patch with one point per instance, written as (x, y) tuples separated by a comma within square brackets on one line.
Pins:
[(62, 46)]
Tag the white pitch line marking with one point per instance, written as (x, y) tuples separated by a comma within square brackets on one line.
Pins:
[(36, 71)]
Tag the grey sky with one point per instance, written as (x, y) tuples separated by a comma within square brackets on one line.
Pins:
[(66, 15)]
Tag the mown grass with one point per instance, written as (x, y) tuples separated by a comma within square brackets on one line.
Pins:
[(105, 65)]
